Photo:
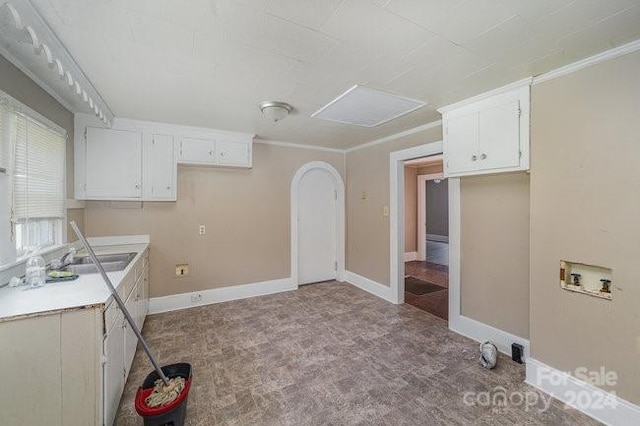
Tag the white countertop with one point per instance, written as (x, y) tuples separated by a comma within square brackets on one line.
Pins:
[(87, 290)]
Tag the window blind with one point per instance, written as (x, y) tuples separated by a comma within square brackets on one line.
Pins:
[(38, 171), (5, 138)]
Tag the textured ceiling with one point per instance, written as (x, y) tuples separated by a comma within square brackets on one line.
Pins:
[(211, 62)]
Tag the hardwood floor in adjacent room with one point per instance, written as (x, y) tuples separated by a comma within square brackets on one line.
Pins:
[(332, 354), (436, 303)]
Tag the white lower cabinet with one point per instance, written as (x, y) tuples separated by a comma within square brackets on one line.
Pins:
[(75, 360), (120, 342), (113, 370)]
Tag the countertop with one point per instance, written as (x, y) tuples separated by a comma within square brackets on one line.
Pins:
[(87, 290)]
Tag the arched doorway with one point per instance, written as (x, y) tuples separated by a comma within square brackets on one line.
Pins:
[(317, 224)]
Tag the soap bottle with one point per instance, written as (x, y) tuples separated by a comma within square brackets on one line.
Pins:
[(36, 272)]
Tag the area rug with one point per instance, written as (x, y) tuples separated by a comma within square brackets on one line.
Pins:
[(419, 287)]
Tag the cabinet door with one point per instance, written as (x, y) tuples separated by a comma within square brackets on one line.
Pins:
[(159, 168), (130, 338), (197, 151), (233, 153), (461, 143), (499, 136), (113, 164), (113, 373)]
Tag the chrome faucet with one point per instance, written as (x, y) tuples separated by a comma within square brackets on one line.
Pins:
[(65, 260)]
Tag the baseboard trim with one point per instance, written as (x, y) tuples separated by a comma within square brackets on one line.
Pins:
[(411, 256), (481, 332), (370, 286), (218, 295), (603, 406)]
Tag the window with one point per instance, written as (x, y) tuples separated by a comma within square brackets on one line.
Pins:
[(32, 187)]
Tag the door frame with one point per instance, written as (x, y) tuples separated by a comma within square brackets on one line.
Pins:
[(396, 227), (338, 184), (422, 213)]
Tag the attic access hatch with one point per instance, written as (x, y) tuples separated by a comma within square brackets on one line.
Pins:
[(362, 106)]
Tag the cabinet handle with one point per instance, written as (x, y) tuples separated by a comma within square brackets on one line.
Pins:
[(222, 154), (483, 156), (137, 186), (474, 157), (210, 152), (168, 187)]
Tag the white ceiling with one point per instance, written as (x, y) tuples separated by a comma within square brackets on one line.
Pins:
[(211, 62)]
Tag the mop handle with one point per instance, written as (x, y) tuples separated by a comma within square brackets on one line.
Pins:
[(132, 323)]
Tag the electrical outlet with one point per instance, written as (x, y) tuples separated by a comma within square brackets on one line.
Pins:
[(196, 297), (363, 196), (202, 230), (385, 211), (182, 270)]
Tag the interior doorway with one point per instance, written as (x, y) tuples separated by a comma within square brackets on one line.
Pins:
[(426, 232)]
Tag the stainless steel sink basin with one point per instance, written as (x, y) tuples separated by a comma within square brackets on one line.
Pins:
[(110, 263)]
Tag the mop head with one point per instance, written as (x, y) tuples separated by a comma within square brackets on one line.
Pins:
[(165, 394)]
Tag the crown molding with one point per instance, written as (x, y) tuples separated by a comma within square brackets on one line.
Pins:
[(395, 136), (500, 90), (588, 62), (298, 145)]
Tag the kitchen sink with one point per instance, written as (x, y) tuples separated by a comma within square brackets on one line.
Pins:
[(110, 262)]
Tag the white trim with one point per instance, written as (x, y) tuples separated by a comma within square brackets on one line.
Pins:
[(411, 256), (370, 286), (422, 213), (219, 295), (119, 240), (298, 145), (74, 204), (396, 213), (588, 62), (567, 388), (340, 219), (396, 135), (481, 332), (487, 95)]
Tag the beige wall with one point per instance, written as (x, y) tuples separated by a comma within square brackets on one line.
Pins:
[(246, 213), (410, 209), (494, 287), (16, 84), (367, 229), (585, 207)]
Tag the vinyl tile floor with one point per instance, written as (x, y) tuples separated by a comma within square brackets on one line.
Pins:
[(332, 354)]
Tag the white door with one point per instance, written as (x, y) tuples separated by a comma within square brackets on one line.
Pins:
[(316, 227)]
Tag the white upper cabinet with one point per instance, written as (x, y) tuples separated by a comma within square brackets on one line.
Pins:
[(113, 160), (198, 151), (138, 160), (159, 168), (232, 153), (488, 133), (222, 151)]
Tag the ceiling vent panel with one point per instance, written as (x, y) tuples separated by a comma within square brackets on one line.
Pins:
[(362, 106)]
